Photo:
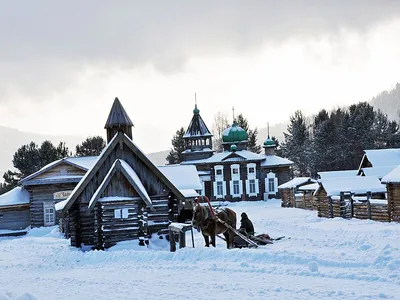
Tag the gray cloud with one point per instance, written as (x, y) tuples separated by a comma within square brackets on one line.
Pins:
[(44, 43)]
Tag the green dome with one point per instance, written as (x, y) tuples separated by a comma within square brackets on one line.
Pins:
[(234, 134), (269, 143), (196, 110), (233, 148)]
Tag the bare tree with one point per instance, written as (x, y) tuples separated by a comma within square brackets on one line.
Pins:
[(218, 127)]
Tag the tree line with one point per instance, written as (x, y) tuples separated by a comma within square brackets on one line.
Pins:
[(335, 140), (31, 157)]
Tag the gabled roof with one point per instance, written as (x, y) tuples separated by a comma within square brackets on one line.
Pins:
[(197, 127), (184, 177), (309, 187), (354, 185), (117, 139), (295, 182), (118, 116), (393, 176), (379, 172), (83, 163), (337, 174), (130, 174), (381, 157), (273, 160), (16, 196)]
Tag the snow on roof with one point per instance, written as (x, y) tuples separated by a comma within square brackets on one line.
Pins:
[(189, 193), (383, 157), (337, 174), (198, 150), (378, 171), (295, 182), (132, 174), (309, 187), (184, 177), (355, 185), (16, 196), (86, 162), (60, 205), (393, 176), (273, 160)]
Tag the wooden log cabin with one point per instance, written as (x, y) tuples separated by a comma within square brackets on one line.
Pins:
[(336, 196), (289, 190), (14, 212), (379, 162), (392, 181)]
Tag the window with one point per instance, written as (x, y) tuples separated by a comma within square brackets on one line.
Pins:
[(218, 172), (220, 191), (252, 185), (49, 214), (271, 184), (121, 213), (252, 170), (236, 187), (235, 171)]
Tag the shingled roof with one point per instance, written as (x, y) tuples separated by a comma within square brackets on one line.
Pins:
[(118, 116), (197, 127)]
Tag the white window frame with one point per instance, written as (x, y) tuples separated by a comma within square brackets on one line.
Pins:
[(121, 213), (219, 177), (220, 184), (236, 185), (253, 174), (252, 182), (49, 217), (271, 175)]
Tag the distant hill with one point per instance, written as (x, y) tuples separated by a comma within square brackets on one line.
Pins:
[(11, 139), (389, 102)]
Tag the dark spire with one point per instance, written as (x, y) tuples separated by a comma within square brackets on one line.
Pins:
[(118, 120), (197, 128), (118, 116)]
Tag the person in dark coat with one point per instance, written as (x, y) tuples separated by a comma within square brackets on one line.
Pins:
[(246, 225)]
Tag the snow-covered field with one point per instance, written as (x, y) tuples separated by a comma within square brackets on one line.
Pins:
[(323, 259)]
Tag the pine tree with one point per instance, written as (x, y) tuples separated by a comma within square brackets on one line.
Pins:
[(92, 146), (296, 143), (30, 158), (175, 156), (252, 143)]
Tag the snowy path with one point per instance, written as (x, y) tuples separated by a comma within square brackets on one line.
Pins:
[(324, 259)]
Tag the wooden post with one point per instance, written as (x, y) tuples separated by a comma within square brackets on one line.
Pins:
[(330, 208), (342, 207), (351, 206), (369, 204), (172, 245), (182, 239)]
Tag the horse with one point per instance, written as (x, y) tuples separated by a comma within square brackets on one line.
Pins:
[(204, 220)]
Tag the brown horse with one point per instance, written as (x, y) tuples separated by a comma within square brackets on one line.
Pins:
[(204, 220)]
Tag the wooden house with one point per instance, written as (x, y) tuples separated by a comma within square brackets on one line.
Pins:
[(392, 181), (14, 212), (123, 196), (53, 184), (336, 196), (289, 191), (235, 174), (379, 162)]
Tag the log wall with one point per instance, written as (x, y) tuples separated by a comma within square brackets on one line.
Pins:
[(393, 191), (15, 217)]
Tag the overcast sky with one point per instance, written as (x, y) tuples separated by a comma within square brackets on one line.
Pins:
[(62, 64)]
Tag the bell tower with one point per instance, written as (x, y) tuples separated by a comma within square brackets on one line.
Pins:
[(118, 121)]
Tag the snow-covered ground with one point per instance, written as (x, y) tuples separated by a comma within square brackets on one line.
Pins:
[(323, 259)]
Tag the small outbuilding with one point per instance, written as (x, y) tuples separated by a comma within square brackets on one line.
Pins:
[(336, 196), (14, 212), (308, 198), (289, 191), (392, 181)]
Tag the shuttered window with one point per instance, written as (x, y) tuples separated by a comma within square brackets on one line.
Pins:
[(252, 186), (49, 214), (220, 190)]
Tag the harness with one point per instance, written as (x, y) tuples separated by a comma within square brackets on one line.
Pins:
[(209, 204)]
